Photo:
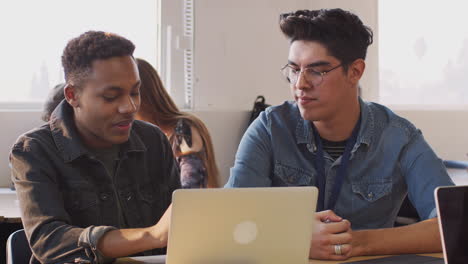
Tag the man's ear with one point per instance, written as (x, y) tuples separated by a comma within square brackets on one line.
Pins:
[(356, 70), (71, 95)]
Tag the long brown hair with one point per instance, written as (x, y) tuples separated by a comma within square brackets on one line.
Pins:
[(158, 107)]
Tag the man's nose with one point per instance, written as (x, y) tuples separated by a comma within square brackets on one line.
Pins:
[(130, 105), (301, 82)]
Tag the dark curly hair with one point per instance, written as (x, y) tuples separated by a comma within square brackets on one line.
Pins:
[(340, 31), (80, 52)]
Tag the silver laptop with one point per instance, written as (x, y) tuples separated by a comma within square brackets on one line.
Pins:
[(452, 208), (241, 225)]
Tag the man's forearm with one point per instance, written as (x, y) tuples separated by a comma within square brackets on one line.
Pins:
[(422, 237), (125, 242)]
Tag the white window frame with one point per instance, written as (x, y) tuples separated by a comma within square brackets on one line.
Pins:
[(177, 54)]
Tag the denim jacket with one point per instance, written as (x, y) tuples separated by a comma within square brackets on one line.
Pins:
[(68, 200), (389, 160)]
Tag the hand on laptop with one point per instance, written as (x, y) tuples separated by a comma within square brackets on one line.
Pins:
[(124, 242), (331, 238), (160, 231)]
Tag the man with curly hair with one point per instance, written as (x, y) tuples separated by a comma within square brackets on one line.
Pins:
[(363, 158), (94, 183)]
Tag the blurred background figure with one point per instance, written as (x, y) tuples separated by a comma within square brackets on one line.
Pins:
[(54, 97), (190, 139)]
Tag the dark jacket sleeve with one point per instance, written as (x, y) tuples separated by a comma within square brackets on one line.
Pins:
[(45, 220)]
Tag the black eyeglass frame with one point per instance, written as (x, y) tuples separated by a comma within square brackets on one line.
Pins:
[(308, 69)]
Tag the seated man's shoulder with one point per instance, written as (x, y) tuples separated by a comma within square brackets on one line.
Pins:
[(145, 129), (285, 107), (37, 136), (385, 118), (286, 111), (152, 137)]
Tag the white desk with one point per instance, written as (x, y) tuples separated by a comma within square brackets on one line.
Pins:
[(162, 259), (10, 211), (459, 176), (9, 207)]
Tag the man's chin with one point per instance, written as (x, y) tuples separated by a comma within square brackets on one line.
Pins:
[(117, 140), (307, 115)]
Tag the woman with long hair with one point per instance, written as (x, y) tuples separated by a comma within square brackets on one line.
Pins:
[(189, 137)]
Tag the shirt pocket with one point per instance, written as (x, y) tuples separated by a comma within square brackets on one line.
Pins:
[(149, 208), (285, 175), (371, 192), (82, 205), (147, 194)]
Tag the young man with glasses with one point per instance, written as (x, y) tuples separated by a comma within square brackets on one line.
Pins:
[(363, 158), (94, 183)]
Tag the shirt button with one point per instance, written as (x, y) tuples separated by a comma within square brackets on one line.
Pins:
[(128, 196), (104, 196), (370, 195)]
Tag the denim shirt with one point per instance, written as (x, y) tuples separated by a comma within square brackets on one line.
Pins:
[(389, 160), (68, 200)]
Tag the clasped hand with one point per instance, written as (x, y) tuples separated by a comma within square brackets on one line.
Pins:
[(332, 237)]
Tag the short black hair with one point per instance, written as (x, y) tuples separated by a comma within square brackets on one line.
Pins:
[(340, 31), (80, 52)]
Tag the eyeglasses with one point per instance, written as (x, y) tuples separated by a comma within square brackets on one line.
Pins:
[(314, 78)]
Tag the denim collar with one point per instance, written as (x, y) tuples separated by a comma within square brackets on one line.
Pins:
[(304, 133), (68, 141)]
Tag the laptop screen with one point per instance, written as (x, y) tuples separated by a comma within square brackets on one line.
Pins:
[(452, 204)]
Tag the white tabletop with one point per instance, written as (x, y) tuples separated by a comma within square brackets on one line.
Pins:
[(9, 206), (459, 176), (10, 211), (161, 259)]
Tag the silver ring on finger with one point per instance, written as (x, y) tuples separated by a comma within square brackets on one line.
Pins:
[(338, 249)]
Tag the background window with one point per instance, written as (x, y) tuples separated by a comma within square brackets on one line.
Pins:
[(423, 52), (34, 34)]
